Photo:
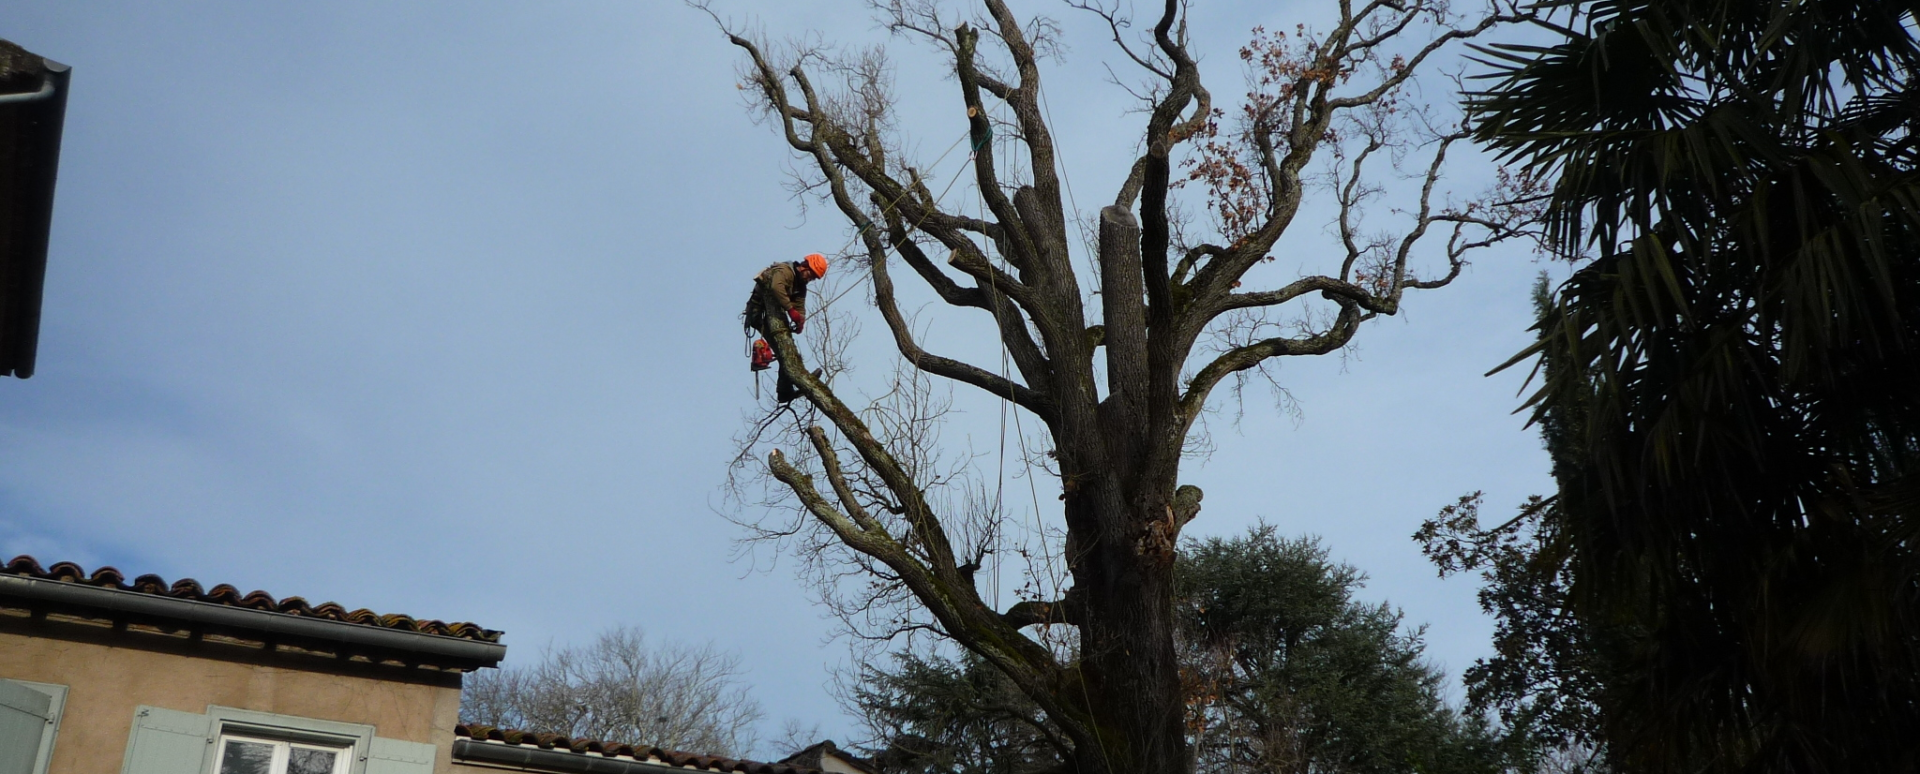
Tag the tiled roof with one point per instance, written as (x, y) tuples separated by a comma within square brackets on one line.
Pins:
[(816, 754), (641, 753), (223, 594)]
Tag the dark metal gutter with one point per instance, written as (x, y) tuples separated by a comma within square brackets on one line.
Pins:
[(339, 637), (559, 761), (30, 129)]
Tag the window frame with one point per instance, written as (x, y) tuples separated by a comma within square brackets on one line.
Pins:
[(354, 739)]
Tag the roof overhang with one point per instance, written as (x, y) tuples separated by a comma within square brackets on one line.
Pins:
[(342, 638), (30, 127)]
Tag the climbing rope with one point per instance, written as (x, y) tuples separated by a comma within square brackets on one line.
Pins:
[(1055, 575), (862, 231)]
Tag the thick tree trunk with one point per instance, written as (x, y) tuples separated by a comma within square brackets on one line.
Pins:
[(1121, 539), (1127, 661)]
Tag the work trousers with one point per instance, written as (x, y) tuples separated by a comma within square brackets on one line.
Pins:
[(759, 307)]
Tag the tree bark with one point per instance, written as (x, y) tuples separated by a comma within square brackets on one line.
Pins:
[(1120, 701)]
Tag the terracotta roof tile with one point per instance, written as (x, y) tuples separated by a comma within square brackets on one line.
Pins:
[(815, 755), (224, 594), (617, 749)]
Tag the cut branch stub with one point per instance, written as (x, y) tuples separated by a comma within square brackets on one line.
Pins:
[(1123, 295)]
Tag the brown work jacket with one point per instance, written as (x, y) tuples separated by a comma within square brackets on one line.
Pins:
[(785, 285), (780, 285)]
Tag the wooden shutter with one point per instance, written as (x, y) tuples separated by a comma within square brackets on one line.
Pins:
[(166, 741), (392, 756), (24, 716)]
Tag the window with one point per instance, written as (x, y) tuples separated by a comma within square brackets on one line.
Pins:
[(249, 755), (228, 740), (254, 742)]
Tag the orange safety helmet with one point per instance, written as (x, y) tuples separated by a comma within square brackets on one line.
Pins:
[(818, 264)]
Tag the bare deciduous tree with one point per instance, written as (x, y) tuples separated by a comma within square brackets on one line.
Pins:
[(622, 688), (1117, 365)]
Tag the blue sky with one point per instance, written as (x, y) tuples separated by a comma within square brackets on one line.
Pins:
[(430, 308)]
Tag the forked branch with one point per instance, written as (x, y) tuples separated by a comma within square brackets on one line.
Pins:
[(834, 153)]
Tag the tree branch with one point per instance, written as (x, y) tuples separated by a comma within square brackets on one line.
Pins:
[(1401, 75), (1115, 23), (1157, 167), (1314, 108), (1066, 610), (1034, 133), (1026, 355), (836, 152), (952, 603), (1245, 357), (980, 130), (1328, 286), (949, 368)]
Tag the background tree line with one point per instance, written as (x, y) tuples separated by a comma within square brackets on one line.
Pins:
[(620, 687), (1285, 671)]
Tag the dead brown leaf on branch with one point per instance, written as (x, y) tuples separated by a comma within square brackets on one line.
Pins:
[(1110, 368)]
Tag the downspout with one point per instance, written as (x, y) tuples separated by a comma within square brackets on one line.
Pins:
[(50, 103)]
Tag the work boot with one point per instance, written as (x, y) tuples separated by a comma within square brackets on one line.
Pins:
[(786, 390)]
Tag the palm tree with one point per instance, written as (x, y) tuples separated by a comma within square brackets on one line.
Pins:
[(1737, 184)]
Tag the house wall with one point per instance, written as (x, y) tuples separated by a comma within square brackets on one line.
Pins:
[(833, 764), (106, 681)]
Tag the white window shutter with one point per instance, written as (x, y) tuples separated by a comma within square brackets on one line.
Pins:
[(392, 756), (167, 741), (24, 715)]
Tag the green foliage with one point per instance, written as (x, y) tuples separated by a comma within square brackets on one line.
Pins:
[(1736, 369), (1544, 678), (930, 714), (1296, 675), (1284, 671)]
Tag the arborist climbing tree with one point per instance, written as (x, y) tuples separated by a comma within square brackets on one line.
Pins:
[(781, 290), (1113, 325)]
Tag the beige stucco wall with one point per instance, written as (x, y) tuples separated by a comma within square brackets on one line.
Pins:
[(832, 764), (106, 681)]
